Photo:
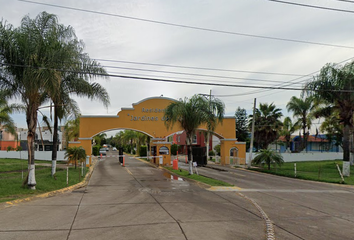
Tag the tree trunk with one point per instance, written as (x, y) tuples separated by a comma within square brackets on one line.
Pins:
[(346, 151), (55, 140), (31, 118), (190, 155)]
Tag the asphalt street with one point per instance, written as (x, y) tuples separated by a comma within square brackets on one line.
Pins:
[(137, 201), (299, 209)]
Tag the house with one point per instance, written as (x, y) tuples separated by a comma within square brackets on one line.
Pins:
[(7, 140), (318, 143), (199, 140), (43, 139)]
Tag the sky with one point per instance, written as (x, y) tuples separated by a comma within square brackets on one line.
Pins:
[(221, 44)]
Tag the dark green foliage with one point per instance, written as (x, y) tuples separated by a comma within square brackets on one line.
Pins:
[(242, 133), (268, 157), (174, 149), (143, 151), (217, 149), (211, 153), (267, 125), (96, 150)]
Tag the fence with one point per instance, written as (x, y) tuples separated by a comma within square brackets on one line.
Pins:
[(38, 155)]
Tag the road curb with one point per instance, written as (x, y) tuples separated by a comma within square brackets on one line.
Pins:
[(81, 184)]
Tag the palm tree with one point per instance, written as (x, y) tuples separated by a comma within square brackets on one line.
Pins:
[(335, 86), (130, 136), (302, 108), (267, 124), (75, 154), (72, 129), (268, 157), (191, 113), (27, 56), (99, 138), (6, 121), (288, 129)]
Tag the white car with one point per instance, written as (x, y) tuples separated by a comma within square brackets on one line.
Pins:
[(114, 149), (103, 151)]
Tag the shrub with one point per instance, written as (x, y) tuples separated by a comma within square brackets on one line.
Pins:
[(9, 148), (96, 150), (174, 149), (143, 151), (18, 148), (211, 153), (217, 149)]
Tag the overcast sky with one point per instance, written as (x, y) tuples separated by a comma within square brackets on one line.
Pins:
[(110, 37)]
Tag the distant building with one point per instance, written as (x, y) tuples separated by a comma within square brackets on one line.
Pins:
[(199, 140), (43, 139), (7, 140), (318, 143)]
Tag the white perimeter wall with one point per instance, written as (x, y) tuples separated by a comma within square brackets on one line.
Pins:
[(302, 157), (38, 155)]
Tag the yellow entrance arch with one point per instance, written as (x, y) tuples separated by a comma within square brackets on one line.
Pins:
[(146, 116)]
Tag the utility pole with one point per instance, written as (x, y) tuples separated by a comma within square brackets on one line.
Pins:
[(208, 133), (252, 134)]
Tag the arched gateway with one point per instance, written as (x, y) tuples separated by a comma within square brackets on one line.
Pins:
[(146, 116)]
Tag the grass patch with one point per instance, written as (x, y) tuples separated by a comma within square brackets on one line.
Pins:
[(11, 179), (323, 171), (199, 178)]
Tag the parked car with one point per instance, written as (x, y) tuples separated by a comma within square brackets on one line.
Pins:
[(114, 149), (103, 151)]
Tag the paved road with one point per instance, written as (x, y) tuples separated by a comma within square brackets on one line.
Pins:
[(299, 209), (134, 202)]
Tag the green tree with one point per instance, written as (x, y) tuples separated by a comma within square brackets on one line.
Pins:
[(268, 157), (6, 122), (302, 109), (191, 113), (334, 85), (27, 56), (130, 136), (140, 140), (72, 129), (241, 125), (75, 154), (99, 138), (333, 129), (267, 124), (287, 130)]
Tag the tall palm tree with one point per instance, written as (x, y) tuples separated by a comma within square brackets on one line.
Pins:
[(335, 86), (302, 108), (99, 138), (191, 113), (75, 154), (267, 124), (27, 56), (288, 129)]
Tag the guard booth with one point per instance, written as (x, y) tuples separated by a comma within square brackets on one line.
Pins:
[(158, 148)]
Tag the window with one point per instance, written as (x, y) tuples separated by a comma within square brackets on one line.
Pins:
[(179, 139), (164, 150), (194, 140)]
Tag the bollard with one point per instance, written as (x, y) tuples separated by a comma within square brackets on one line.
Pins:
[(101, 156), (175, 164), (67, 176), (82, 169), (123, 161)]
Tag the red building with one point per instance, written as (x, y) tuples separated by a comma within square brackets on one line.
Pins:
[(199, 140)]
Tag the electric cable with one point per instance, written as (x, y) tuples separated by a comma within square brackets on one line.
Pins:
[(191, 27)]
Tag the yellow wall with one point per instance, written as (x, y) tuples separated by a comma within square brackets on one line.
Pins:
[(147, 116)]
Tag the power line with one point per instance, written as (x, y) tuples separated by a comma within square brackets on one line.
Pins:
[(190, 27), (313, 6), (175, 81), (347, 1), (200, 68), (195, 74)]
